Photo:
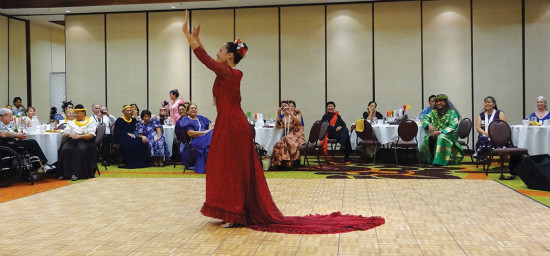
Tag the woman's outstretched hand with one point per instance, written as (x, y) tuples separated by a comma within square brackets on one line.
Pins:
[(193, 39)]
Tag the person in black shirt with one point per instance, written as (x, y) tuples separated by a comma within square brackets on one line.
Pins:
[(337, 128)]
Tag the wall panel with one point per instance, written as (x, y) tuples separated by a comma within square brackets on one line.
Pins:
[(349, 58), (85, 59), (537, 52), (397, 56), (4, 99), (447, 53), (216, 29), (497, 56), (258, 28), (17, 61), (168, 58), (303, 60), (126, 60), (42, 63)]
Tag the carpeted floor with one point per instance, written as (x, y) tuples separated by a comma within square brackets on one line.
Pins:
[(336, 169)]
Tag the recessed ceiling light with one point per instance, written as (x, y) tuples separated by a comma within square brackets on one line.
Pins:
[(173, 7), (67, 11)]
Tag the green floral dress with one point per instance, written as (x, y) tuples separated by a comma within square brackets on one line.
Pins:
[(447, 149)]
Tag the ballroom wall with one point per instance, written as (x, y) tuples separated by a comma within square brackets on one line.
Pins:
[(394, 52)]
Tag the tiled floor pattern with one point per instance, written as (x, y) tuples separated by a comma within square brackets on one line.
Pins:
[(119, 216)]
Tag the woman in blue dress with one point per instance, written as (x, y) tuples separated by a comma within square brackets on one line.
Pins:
[(151, 129), (133, 147), (541, 113), (197, 129)]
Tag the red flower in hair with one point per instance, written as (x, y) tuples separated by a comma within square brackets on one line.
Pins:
[(241, 50)]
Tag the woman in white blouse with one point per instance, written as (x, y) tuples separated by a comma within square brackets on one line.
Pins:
[(78, 154)]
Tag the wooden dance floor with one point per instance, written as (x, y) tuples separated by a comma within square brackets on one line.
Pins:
[(158, 216)]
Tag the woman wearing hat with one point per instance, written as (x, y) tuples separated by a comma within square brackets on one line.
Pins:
[(440, 146), (134, 148), (78, 154)]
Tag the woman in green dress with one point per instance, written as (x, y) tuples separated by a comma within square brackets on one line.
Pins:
[(440, 146)]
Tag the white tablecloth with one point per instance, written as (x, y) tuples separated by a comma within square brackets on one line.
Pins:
[(267, 137), (534, 138), (169, 134), (386, 133), (49, 143)]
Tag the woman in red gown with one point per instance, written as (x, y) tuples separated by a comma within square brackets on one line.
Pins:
[(236, 188)]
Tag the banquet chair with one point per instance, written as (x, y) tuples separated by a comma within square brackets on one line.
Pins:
[(182, 136), (406, 138), (464, 129), (99, 135), (501, 137), (313, 144), (365, 139), (175, 151), (116, 151)]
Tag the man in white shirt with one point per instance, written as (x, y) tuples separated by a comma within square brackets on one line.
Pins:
[(102, 116)]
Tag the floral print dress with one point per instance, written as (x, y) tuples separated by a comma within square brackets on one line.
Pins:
[(286, 150), (156, 147)]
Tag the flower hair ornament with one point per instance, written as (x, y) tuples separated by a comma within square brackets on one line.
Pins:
[(241, 50)]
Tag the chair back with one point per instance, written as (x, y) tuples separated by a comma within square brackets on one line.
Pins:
[(464, 128), (100, 133), (500, 134), (253, 132), (314, 132), (407, 130), (323, 130), (61, 126), (367, 133)]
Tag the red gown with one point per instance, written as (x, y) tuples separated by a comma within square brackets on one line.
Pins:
[(236, 188)]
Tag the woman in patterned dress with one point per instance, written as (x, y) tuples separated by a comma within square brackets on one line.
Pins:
[(285, 152), (198, 129), (440, 146), (151, 129)]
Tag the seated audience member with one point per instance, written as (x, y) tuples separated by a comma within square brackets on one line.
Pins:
[(66, 106), (337, 129), (484, 119), (542, 110), (151, 129), (29, 115), (163, 115), (198, 128), (182, 110), (18, 109), (134, 148), (371, 112), (428, 109), (440, 145), (135, 112), (285, 151), (78, 153), (292, 105), (102, 116), (70, 115), (7, 133)]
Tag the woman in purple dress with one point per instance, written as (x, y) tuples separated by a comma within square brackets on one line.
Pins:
[(198, 130), (151, 128)]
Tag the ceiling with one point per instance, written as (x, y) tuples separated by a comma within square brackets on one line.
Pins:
[(48, 11)]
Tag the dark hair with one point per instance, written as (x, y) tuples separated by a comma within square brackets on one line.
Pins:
[(293, 102), (66, 104), (375, 104), (53, 111), (181, 105), (283, 101), (165, 103), (492, 99), (232, 48), (175, 92), (29, 107), (80, 106), (134, 104), (431, 96), (16, 99), (145, 112), (330, 102)]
